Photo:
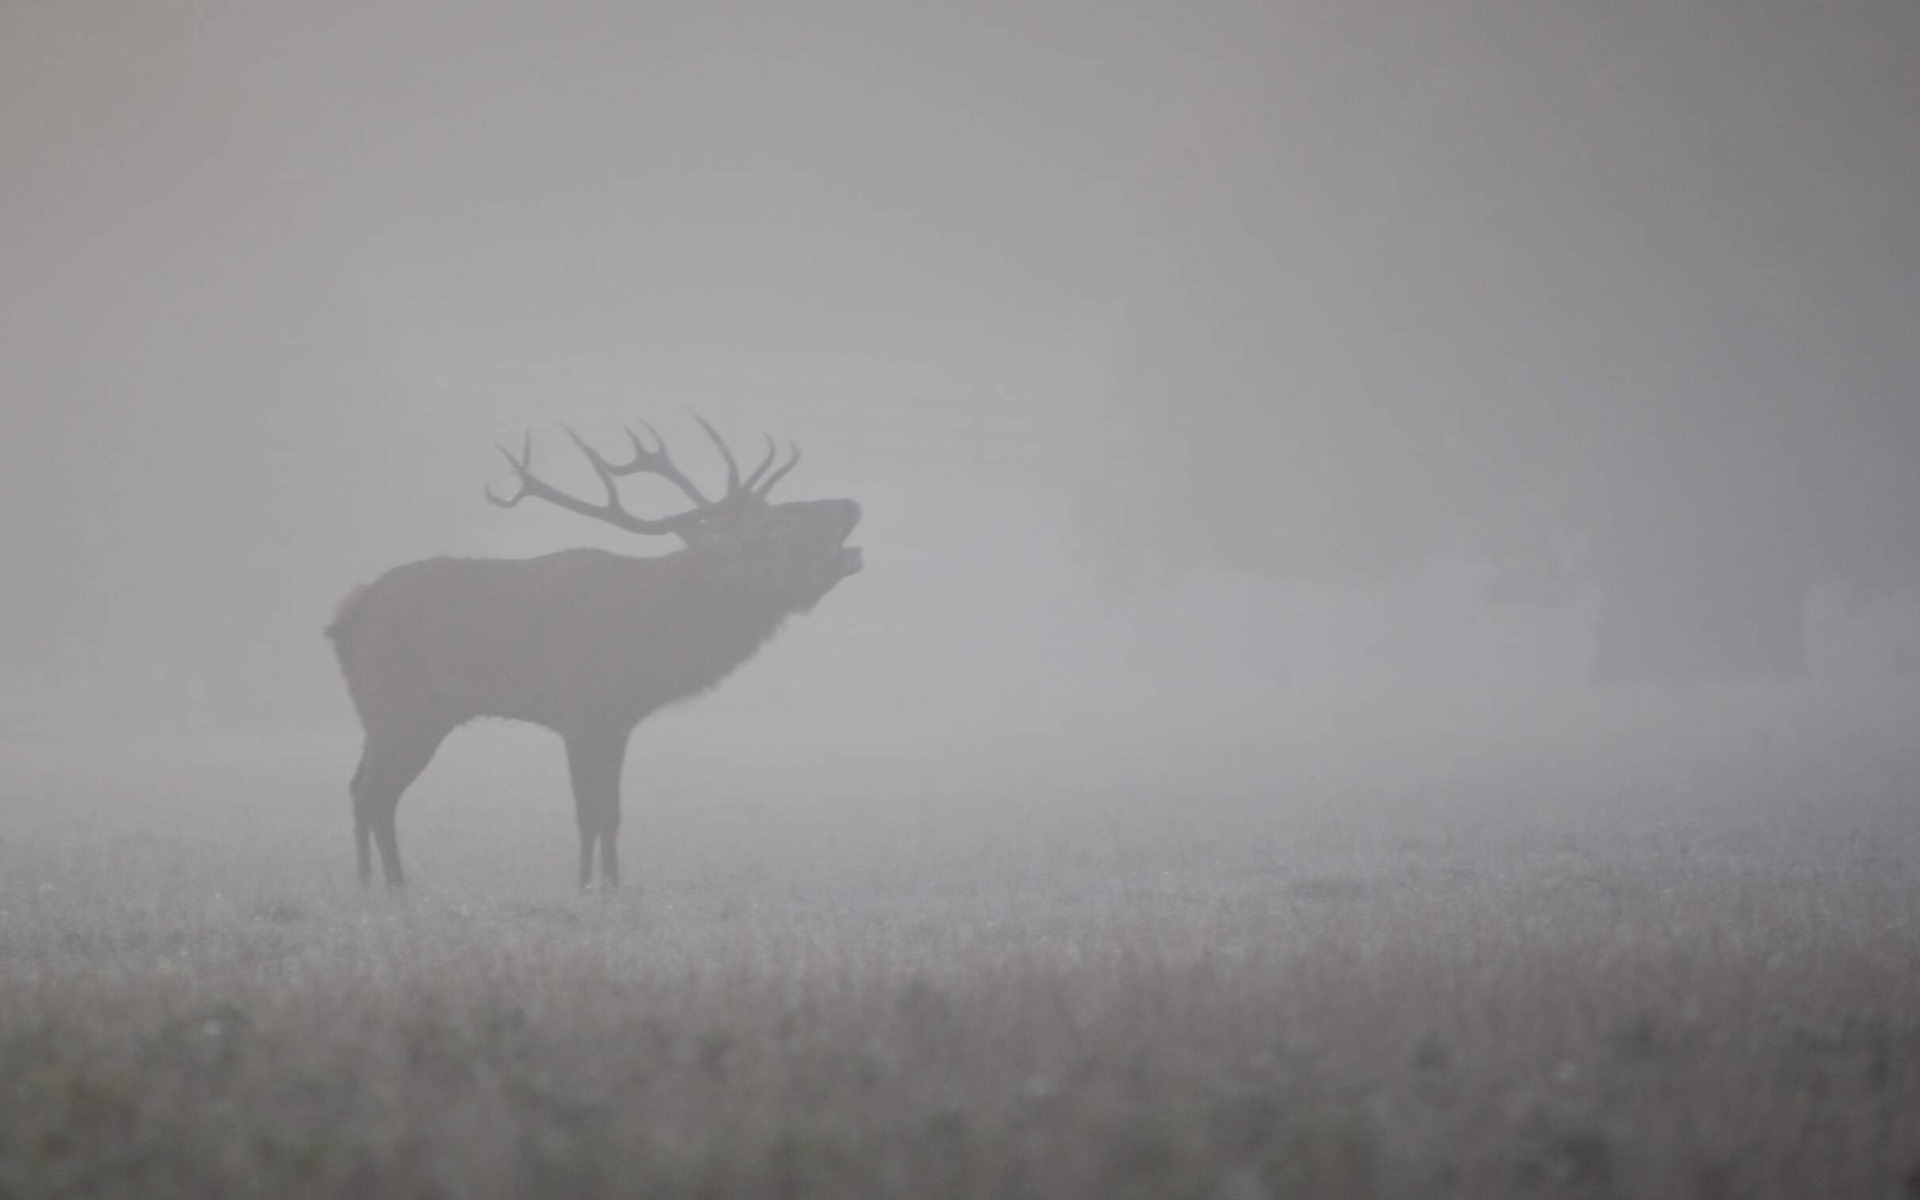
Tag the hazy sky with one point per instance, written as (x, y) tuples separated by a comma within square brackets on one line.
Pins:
[(279, 275)]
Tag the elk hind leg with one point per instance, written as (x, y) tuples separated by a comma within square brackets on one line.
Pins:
[(392, 760)]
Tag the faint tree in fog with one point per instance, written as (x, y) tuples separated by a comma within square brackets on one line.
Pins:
[(584, 642), (1626, 294)]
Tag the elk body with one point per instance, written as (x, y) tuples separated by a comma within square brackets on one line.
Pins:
[(584, 642)]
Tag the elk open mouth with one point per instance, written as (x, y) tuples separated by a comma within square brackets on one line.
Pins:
[(847, 560)]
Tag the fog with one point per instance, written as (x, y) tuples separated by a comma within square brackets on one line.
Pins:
[(278, 282), (1362, 502)]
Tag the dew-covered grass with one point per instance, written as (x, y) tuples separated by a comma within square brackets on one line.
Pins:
[(1672, 950)]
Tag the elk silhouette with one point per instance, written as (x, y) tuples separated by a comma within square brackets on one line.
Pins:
[(583, 642)]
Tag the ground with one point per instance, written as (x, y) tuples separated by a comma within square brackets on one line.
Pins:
[(1353, 948)]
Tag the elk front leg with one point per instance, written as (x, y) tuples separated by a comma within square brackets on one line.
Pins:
[(594, 761), (610, 840)]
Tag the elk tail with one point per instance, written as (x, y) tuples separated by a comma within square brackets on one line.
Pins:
[(341, 628)]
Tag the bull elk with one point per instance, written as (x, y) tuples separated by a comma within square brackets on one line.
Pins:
[(583, 642)]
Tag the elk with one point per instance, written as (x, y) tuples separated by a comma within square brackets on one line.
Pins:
[(584, 642)]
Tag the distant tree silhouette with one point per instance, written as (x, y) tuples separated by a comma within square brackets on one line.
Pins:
[(1618, 294)]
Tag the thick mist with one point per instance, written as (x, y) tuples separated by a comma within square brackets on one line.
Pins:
[(1386, 662)]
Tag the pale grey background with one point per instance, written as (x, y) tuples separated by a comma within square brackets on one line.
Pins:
[(277, 276)]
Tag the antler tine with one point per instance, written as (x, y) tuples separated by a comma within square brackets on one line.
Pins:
[(760, 470), (733, 468), (601, 466), (519, 466), (657, 462), (792, 462)]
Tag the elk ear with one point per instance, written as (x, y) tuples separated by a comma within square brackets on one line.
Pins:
[(703, 529)]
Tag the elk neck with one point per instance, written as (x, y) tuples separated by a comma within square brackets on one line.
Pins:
[(692, 625)]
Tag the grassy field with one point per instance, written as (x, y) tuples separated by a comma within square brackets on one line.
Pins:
[(1361, 947)]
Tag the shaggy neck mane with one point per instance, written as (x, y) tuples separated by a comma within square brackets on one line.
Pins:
[(707, 622)]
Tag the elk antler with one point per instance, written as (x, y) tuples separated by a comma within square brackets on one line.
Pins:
[(610, 510), (645, 461)]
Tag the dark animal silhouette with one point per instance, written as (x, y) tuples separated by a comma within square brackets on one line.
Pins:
[(584, 642)]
